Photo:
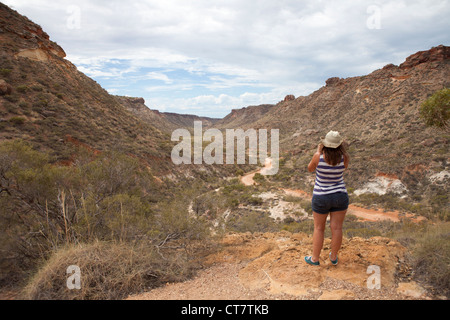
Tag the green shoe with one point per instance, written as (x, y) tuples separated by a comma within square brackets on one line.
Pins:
[(334, 262), (308, 260)]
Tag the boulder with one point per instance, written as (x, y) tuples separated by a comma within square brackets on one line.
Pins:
[(333, 81), (288, 98)]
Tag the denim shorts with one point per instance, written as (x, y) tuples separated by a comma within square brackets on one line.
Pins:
[(325, 204)]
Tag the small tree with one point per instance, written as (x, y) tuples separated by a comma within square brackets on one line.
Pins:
[(435, 111)]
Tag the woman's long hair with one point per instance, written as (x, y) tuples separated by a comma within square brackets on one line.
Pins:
[(333, 156)]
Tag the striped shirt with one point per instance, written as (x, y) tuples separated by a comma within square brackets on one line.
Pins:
[(329, 179)]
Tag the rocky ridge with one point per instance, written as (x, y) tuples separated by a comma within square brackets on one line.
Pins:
[(164, 121)]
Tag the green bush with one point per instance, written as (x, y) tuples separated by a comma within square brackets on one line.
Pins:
[(5, 72), (100, 197), (22, 89), (362, 232), (37, 88), (306, 226), (251, 221), (259, 178), (17, 120), (435, 111)]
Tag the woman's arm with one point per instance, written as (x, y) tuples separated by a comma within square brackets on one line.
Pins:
[(346, 156), (346, 160), (315, 159)]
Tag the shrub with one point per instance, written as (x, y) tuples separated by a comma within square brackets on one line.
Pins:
[(101, 197), (22, 89), (12, 98), (17, 120), (431, 258), (362, 232), (259, 177), (252, 222), (108, 271), (37, 88), (435, 111), (5, 72), (306, 226)]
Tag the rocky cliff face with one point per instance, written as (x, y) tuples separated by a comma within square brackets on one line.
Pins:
[(29, 39), (436, 54)]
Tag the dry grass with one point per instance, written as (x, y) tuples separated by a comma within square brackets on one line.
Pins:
[(431, 258), (109, 271)]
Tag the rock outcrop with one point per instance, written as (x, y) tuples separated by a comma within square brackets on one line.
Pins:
[(270, 266), (274, 262), (239, 118), (289, 97), (439, 53), (30, 40)]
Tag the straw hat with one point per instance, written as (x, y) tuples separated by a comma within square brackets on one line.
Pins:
[(332, 140)]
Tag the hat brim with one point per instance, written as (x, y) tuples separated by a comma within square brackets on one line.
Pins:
[(330, 145)]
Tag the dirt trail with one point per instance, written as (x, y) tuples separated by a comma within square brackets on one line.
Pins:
[(248, 180)]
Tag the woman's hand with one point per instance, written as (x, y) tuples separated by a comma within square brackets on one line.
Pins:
[(320, 148)]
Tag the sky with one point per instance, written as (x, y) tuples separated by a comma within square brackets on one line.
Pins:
[(207, 57)]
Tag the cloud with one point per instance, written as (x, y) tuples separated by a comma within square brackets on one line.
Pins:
[(217, 55)]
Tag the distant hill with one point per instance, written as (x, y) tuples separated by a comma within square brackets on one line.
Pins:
[(164, 121), (243, 117)]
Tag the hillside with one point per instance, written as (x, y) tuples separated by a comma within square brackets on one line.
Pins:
[(165, 121), (392, 150), (240, 118), (62, 134), (49, 103)]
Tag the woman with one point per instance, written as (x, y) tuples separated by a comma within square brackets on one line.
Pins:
[(330, 194)]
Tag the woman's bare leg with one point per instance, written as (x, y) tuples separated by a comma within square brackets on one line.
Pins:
[(336, 222), (318, 236)]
